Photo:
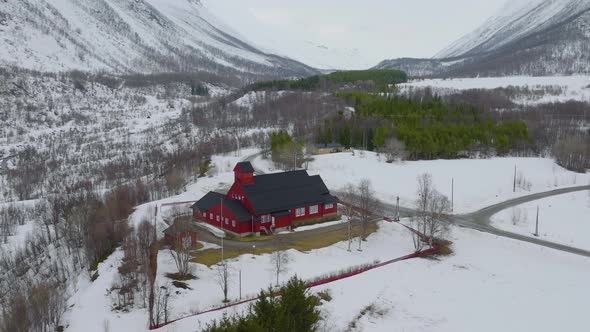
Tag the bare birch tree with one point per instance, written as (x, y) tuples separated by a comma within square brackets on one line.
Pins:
[(432, 210), (394, 149), (348, 198), (280, 260), (368, 206), (181, 253), (223, 278)]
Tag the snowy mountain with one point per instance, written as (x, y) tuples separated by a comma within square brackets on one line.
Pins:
[(527, 37), (128, 36)]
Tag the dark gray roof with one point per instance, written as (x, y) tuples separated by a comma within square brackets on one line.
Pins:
[(282, 191), (236, 207), (213, 198), (208, 201), (180, 227), (246, 167)]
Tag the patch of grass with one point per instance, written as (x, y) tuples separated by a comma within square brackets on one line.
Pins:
[(250, 238), (94, 276), (178, 276), (325, 295), (328, 239), (94, 264), (211, 257), (371, 310), (445, 249), (180, 284)]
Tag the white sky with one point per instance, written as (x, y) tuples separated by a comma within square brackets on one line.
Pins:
[(356, 33)]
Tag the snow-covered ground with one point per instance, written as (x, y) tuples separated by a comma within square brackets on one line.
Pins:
[(92, 304), (488, 284), (486, 277), (477, 182), (563, 219), (550, 88)]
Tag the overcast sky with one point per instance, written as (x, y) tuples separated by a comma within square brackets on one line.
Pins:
[(366, 31)]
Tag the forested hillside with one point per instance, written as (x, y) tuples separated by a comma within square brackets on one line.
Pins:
[(428, 128), (375, 79)]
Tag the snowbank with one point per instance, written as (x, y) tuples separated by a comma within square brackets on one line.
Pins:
[(477, 182), (572, 87), (563, 219)]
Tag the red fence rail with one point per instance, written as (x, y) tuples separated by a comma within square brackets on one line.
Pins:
[(427, 252)]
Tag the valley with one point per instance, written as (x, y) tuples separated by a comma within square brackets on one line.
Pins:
[(399, 195)]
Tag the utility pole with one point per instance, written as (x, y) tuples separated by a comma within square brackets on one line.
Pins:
[(397, 210), (537, 222), (223, 233), (452, 193), (514, 182), (155, 221)]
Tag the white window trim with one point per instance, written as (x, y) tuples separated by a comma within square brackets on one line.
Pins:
[(329, 206), (314, 209), (299, 212), (233, 223), (211, 216)]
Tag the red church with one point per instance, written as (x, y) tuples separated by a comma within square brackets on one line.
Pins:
[(267, 203)]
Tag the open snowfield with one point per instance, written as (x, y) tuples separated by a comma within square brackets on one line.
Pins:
[(485, 275), (563, 219), (488, 284), (93, 304), (569, 87), (478, 182)]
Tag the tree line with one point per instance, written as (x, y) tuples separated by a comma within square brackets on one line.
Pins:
[(380, 80), (428, 128)]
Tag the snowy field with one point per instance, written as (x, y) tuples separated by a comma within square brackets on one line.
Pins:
[(477, 182), (563, 88), (488, 284), (485, 275), (563, 219), (93, 305)]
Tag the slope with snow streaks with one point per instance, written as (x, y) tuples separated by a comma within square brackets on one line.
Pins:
[(517, 19), (527, 37), (127, 36)]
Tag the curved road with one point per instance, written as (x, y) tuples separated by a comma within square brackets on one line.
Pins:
[(479, 220)]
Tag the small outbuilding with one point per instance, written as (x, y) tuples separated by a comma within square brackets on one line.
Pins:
[(184, 232)]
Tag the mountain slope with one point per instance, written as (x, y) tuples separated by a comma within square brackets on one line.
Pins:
[(527, 37), (128, 36)]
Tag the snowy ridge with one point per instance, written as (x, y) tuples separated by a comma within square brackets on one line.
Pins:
[(515, 20), (527, 37), (126, 36)]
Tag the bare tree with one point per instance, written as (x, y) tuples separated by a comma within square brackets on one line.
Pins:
[(417, 238), (223, 278), (181, 253), (56, 207), (348, 198), (368, 206), (279, 260), (162, 305), (394, 149), (432, 210)]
